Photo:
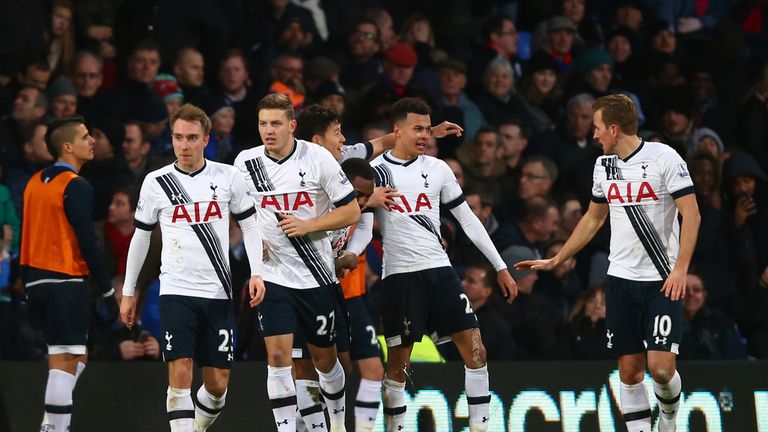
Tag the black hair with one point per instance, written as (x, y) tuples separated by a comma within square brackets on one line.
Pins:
[(356, 167), (400, 109), (315, 120), (59, 132)]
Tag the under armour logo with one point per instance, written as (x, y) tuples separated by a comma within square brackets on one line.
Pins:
[(609, 335), (400, 427), (424, 176), (168, 337), (285, 422), (661, 340), (213, 188), (336, 411), (230, 357), (485, 419), (47, 428), (644, 166), (175, 197), (302, 174), (407, 325), (315, 426)]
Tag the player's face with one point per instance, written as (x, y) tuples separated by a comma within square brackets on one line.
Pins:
[(474, 284), (412, 133), (696, 295), (363, 190), (332, 140), (82, 144), (188, 144), (276, 131), (606, 136)]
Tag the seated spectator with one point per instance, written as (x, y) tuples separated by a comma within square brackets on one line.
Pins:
[(562, 281), (168, 91), (592, 73), (34, 72), (574, 136), (62, 97), (480, 160), (708, 141), (118, 342), (221, 143), (317, 71), (751, 128), (330, 94), (499, 40), (117, 230), (189, 69), (541, 87), (538, 223), (515, 140), (235, 86), (589, 29), (537, 176), (585, 335), (287, 74), (571, 213), (457, 170), (453, 80), (479, 284), (131, 96), (481, 202), (676, 121), (61, 37), (692, 18), (88, 77), (621, 44), (362, 65), (560, 38), (708, 334)]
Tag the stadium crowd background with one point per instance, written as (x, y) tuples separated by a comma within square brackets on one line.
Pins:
[(519, 76)]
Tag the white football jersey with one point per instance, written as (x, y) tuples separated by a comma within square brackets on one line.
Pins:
[(306, 183), (411, 227), (641, 191), (193, 210), (362, 150)]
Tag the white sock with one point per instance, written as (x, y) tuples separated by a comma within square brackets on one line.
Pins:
[(310, 406), (668, 396), (282, 395), (78, 372), (478, 397), (367, 404), (181, 409), (58, 399), (393, 395), (635, 407), (332, 386), (207, 408)]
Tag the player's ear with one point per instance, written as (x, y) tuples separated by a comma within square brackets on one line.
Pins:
[(316, 139), (292, 126)]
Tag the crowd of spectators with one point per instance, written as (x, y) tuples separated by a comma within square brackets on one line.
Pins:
[(520, 76)]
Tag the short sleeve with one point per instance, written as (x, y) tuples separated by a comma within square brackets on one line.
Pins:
[(334, 181), (240, 203), (598, 194), (451, 194), (148, 205), (675, 174)]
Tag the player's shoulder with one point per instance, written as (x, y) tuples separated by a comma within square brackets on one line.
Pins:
[(152, 175), (219, 168), (248, 154), (306, 149), (659, 150), (433, 162)]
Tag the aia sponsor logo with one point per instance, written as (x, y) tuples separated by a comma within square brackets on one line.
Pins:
[(287, 202), (198, 212), (404, 206), (631, 193)]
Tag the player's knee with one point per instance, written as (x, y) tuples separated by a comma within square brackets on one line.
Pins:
[(661, 375), (278, 359), (631, 376)]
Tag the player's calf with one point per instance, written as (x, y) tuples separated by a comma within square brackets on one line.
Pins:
[(208, 407)]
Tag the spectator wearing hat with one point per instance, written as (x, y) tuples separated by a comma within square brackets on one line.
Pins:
[(676, 118), (287, 74), (362, 64), (168, 90), (499, 39), (560, 40), (629, 14), (621, 44), (537, 316), (708, 141), (589, 29), (189, 69), (221, 143), (592, 73), (330, 94), (62, 97), (662, 37), (541, 86), (453, 80)]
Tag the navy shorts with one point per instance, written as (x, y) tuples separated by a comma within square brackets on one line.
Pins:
[(61, 311), (425, 302), (312, 309), (639, 317), (197, 328), (363, 342), (300, 350)]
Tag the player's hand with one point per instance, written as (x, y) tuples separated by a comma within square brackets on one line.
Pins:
[(345, 263), (382, 197), (151, 347), (130, 350), (689, 25), (293, 226), (257, 290), (446, 128), (541, 265), (674, 286), (128, 310), (507, 284), (745, 207)]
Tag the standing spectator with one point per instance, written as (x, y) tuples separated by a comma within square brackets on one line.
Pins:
[(132, 95), (95, 26), (287, 73), (168, 91), (541, 86), (363, 65), (708, 334), (87, 77), (35, 156), (499, 40), (136, 149), (481, 159), (57, 212), (221, 143), (116, 231), (498, 99), (538, 223), (453, 80), (235, 86), (61, 38), (560, 37), (189, 69)]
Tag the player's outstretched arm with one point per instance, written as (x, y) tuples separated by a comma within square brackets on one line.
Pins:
[(581, 235), (137, 253), (387, 142), (674, 286), (340, 217), (446, 128)]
